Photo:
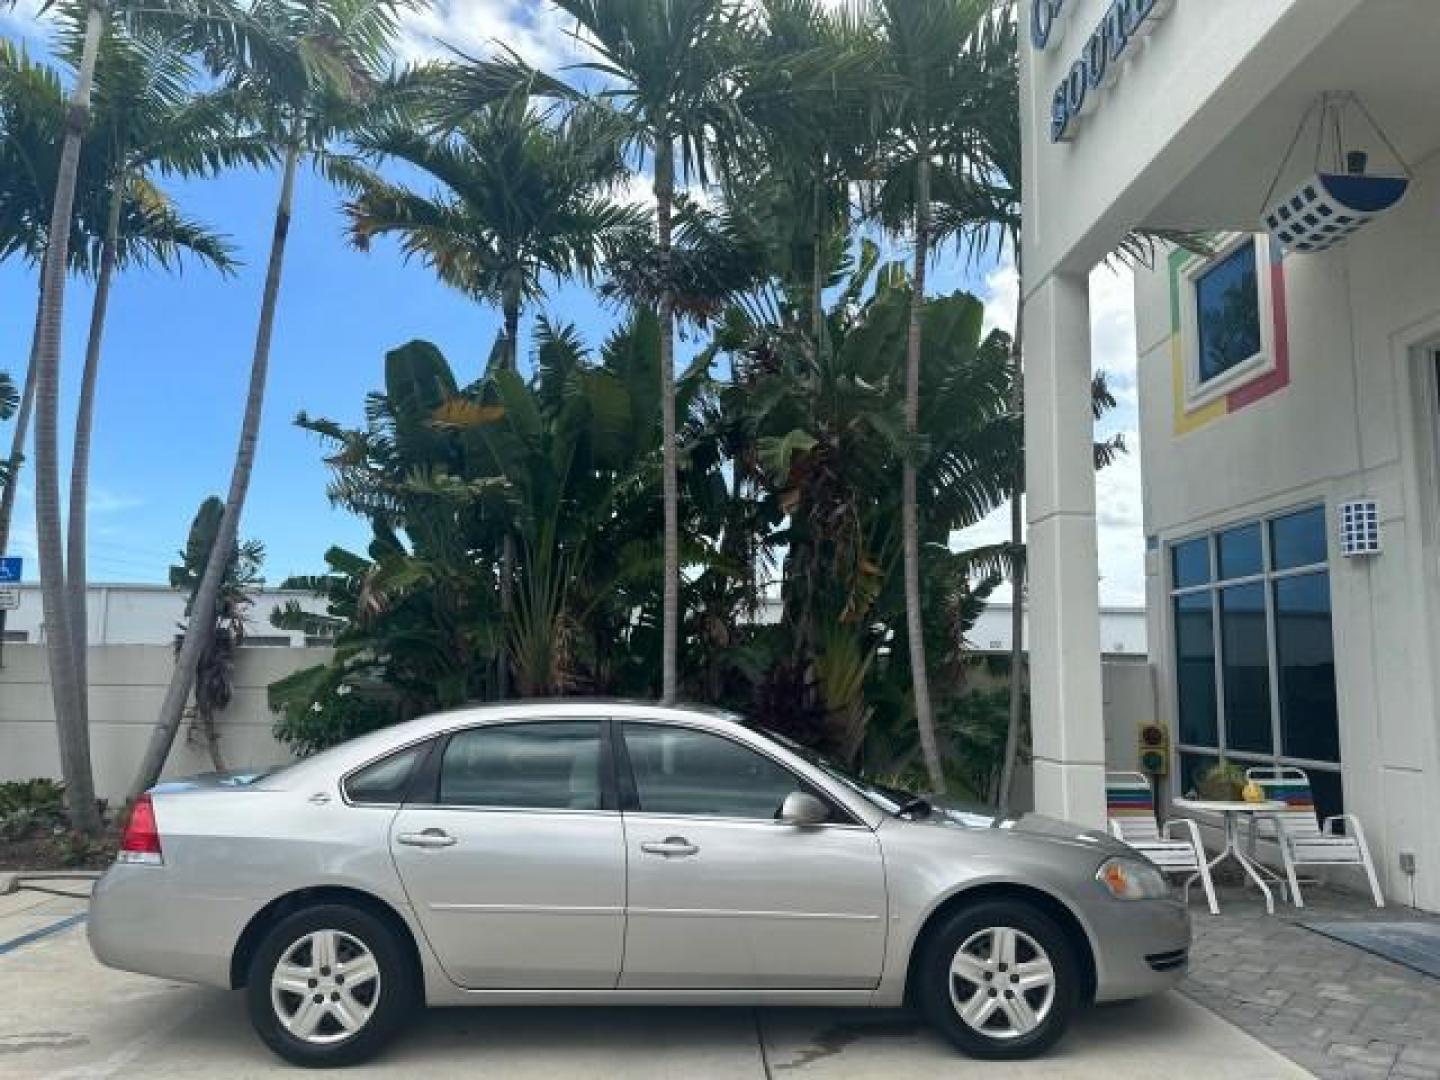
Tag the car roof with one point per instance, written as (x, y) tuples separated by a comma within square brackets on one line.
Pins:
[(363, 748), (333, 763)]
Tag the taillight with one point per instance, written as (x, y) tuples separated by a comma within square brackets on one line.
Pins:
[(140, 843)]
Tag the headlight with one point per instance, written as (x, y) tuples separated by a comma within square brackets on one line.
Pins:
[(1131, 879)]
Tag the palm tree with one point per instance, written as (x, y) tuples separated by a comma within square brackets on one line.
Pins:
[(933, 60), (809, 85), (74, 737), (30, 136), (523, 201), (672, 74), (314, 67), (146, 120)]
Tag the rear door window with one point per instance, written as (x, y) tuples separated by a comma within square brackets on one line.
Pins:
[(537, 765)]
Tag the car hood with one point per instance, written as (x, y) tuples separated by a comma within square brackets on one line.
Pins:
[(1037, 827)]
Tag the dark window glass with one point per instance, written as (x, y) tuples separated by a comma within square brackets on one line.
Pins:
[(1247, 669), (1299, 539), (1329, 798), (682, 771), (1195, 668), (1240, 552), (1305, 652), (385, 781), (1192, 767), (1227, 300), (1191, 563), (550, 765)]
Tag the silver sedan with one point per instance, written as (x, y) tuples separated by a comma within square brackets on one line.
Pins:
[(579, 853)]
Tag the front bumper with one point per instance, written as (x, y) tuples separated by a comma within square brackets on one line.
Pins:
[(1142, 947)]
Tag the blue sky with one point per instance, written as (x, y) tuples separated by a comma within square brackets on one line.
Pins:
[(177, 354)]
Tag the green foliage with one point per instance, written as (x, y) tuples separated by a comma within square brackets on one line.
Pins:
[(31, 808), (1223, 780), (565, 462), (215, 674)]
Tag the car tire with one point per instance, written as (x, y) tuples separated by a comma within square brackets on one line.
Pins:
[(305, 1011), (1000, 980)]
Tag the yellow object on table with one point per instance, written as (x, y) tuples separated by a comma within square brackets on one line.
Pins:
[(1253, 793)]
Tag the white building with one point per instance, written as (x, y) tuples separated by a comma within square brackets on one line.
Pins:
[(1123, 632), (1278, 387), (130, 614)]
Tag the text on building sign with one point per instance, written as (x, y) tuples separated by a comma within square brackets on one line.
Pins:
[(1125, 23)]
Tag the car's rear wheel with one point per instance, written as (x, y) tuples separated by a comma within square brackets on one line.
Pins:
[(329, 986), (1000, 980)]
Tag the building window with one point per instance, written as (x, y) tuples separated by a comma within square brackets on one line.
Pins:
[(266, 641), (1255, 651), (1227, 318), (1227, 303)]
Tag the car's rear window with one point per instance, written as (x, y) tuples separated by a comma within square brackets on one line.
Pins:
[(385, 782)]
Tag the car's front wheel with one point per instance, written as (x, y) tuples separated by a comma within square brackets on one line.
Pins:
[(329, 986), (1000, 980)]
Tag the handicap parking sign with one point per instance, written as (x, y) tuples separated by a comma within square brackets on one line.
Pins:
[(10, 566)]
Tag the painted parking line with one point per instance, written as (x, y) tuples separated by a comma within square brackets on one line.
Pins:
[(44, 932)]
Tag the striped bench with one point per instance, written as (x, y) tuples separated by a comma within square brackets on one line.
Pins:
[(1303, 839), (1130, 808)]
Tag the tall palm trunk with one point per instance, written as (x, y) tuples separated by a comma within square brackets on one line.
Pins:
[(1017, 573), (17, 447), (817, 261), (200, 629), (511, 305), (74, 738), (670, 486), (909, 506), (75, 579)]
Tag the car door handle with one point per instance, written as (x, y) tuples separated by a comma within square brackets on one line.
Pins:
[(430, 838), (672, 847)]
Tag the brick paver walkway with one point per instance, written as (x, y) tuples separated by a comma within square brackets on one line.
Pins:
[(1339, 1011)]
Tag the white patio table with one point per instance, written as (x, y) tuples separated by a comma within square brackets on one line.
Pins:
[(1232, 811)]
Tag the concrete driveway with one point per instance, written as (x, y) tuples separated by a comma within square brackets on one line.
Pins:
[(64, 1017)]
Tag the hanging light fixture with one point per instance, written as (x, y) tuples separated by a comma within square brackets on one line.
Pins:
[(1341, 195)]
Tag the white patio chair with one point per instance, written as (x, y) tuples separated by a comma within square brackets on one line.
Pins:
[(1303, 839), (1130, 807)]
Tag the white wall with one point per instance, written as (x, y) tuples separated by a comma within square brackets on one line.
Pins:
[(127, 683), (126, 614), (1357, 419)]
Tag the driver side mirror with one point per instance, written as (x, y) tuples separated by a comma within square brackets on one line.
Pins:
[(802, 809)]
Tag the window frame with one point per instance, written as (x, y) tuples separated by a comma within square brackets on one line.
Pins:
[(1198, 392), (425, 791), (1267, 578), (841, 816)]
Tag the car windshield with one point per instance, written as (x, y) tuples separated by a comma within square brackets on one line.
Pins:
[(894, 801)]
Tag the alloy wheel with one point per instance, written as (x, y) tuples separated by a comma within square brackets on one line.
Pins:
[(1002, 983), (325, 987)]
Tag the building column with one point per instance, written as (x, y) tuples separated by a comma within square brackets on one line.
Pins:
[(1065, 690)]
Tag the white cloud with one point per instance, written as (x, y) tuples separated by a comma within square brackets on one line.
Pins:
[(24, 17), (1001, 294), (1118, 504), (539, 32)]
